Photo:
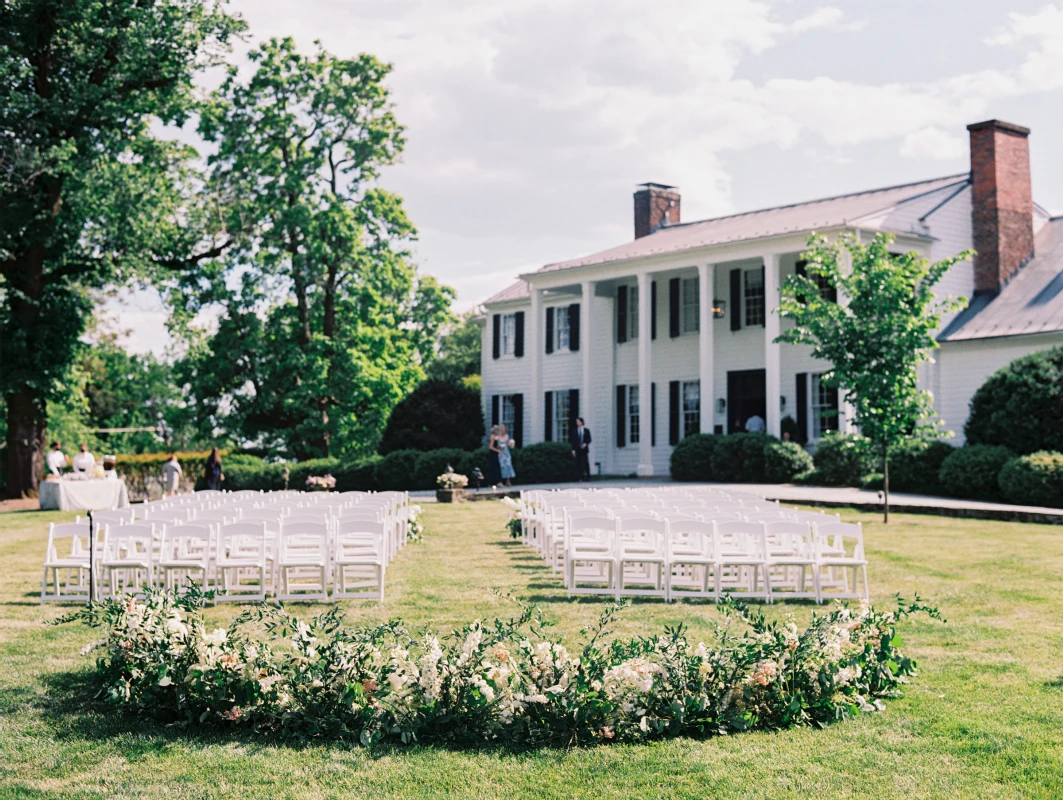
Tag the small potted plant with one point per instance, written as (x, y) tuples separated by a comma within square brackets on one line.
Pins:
[(450, 487)]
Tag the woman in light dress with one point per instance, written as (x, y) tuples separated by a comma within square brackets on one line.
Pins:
[(505, 457), (171, 475)]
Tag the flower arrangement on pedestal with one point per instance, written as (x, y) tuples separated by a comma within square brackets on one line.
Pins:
[(320, 483), (451, 487)]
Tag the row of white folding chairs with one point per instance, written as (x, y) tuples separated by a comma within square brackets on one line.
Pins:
[(643, 555)]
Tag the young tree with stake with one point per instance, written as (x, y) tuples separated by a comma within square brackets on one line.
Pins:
[(876, 335)]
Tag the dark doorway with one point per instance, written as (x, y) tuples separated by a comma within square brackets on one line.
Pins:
[(745, 397)]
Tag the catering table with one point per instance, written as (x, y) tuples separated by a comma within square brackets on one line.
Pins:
[(98, 493)]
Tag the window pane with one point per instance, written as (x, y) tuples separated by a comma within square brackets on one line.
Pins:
[(754, 297), (691, 407), (509, 334), (508, 415), (561, 416), (633, 414), (561, 323), (823, 399)]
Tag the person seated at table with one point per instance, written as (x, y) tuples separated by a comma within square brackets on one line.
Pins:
[(56, 459), (84, 461)]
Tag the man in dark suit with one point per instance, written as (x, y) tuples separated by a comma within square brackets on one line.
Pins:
[(580, 439)]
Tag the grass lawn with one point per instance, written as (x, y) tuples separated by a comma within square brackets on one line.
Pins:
[(983, 719)]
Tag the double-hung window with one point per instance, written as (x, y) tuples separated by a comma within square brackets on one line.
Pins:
[(754, 296), (509, 334), (634, 427), (689, 305), (561, 328), (691, 400), (824, 407), (561, 412), (508, 415)]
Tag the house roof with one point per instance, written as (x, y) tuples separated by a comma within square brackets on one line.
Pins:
[(808, 216), (1031, 302), (515, 291)]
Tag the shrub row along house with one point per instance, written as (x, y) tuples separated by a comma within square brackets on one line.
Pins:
[(674, 332)]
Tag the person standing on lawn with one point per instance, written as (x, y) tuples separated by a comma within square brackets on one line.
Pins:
[(580, 439), (212, 471)]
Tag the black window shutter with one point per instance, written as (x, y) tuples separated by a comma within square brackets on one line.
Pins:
[(573, 327), (673, 307), (621, 416), (673, 413), (496, 336), (802, 406), (548, 425), (573, 408), (550, 330), (518, 419), (621, 314), (736, 299), (495, 401), (518, 343), (653, 309)]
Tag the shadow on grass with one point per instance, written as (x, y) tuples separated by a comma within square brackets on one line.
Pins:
[(73, 710)]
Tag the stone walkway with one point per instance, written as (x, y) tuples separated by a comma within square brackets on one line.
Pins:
[(825, 496)]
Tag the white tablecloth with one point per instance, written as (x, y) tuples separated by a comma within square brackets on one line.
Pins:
[(96, 494)]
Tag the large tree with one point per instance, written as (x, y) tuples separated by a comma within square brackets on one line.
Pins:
[(88, 196), (459, 350), (326, 323), (875, 335)]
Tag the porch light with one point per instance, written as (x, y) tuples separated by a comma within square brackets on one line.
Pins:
[(721, 404), (719, 308)]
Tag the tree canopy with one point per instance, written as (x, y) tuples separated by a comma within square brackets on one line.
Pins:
[(326, 323), (875, 335), (88, 195), (459, 350)]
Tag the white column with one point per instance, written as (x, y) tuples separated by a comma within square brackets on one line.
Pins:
[(706, 285), (533, 350), (772, 382), (645, 467), (586, 404)]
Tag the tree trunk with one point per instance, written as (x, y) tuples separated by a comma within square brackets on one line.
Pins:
[(25, 443), (886, 483)]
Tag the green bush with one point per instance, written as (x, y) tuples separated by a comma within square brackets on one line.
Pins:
[(358, 476), (739, 457), (692, 457), (302, 470), (784, 460), (434, 463), (915, 465), (1034, 480), (1018, 407), (843, 459), (545, 462), (396, 470), (873, 481), (436, 414), (809, 478), (476, 459), (972, 472)]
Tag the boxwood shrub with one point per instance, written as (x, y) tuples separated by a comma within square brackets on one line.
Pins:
[(544, 462), (396, 471), (692, 458), (843, 459), (433, 463), (972, 472), (1034, 480), (739, 457), (477, 459), (915, 465), (784, 460), (358, 476)]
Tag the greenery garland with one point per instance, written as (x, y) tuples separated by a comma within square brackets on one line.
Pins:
[(504, 681)]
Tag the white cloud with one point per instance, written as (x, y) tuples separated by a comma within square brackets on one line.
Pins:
[(933, 143), (827, 18)]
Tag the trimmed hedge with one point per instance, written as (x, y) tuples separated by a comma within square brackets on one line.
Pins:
[(1018, 407), (692, 458), (544, 462), (739, 457), (359, 476), (397, 471), (972, 472), (842, 459), (915, 465), (1033, 480), (783, 461), (434, 463)]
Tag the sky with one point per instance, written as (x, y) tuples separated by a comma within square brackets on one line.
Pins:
[(530, 122)]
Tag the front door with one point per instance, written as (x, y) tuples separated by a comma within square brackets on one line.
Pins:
[(745, 397)]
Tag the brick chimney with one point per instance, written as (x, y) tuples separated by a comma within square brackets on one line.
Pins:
[(1001, 202), (656, 206)]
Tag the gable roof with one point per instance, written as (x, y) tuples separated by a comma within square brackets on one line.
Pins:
[(811, 215), (515, 291), (1031, 302)]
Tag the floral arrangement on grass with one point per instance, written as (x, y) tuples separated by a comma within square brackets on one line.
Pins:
[(318, 483), (503, 681), (514, 524), (452, 480), (414, 526)]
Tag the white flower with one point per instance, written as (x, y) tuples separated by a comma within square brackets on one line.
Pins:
[(644, 724), (216, 638), (166, 681)]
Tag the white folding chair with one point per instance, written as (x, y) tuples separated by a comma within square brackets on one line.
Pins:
[(742, 559), (75, 564), (127, 558), (302, 567), (241, 562), (791, 556), (641, 555), (359, 559), (590, 555), (184, 552), (692, 564), (840, 554)]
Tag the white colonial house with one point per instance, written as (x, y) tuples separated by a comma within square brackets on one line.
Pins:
[(674, 332)]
